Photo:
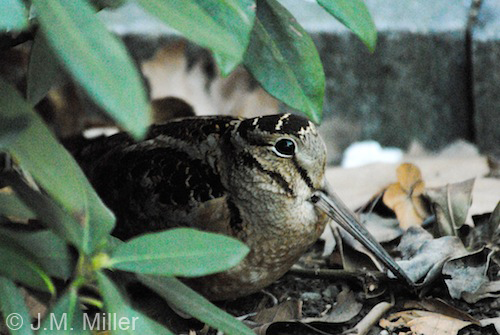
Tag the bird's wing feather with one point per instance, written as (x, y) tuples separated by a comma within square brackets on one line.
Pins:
[(151, 186)]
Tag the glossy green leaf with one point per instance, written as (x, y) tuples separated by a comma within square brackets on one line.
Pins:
[(46, 248), (188, 301), (96, 59), (226, 65), (355, 16), (178, 252), (116, 305), (283, 58), (66, 317), (101, 4), (11, 127), (46, 210), (12, 306), (19, 266), (12, 207), (44, 70), (13, 15), (221, 26), (37, 151)]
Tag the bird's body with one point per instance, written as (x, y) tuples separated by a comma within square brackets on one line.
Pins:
[(251, 179)]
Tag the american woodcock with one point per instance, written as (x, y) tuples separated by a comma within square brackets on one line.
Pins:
[(260, 180)]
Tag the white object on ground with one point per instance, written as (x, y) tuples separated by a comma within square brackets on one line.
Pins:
[(367, 152)]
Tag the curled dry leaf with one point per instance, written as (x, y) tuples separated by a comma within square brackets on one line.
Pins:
[(486, 231), (487, 290), (424, 257), (451, 204), (466, 274), (405, 196)]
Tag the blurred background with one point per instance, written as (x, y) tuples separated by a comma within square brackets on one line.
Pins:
[(432, 80)]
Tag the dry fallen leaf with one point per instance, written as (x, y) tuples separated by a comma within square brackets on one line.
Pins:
[(286, 311), (466, 274), (437, 324), (487, 290), (451, 204), (383, 229), (424, 257), (405, 196), (345, 308), (423, 322), (441, 307), (491, 321)]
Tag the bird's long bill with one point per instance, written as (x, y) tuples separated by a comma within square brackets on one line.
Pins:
[(340, 213)]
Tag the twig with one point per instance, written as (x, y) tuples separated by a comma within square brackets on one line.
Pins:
[(364, 326), (339, 274)]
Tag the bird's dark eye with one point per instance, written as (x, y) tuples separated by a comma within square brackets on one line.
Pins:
[(284, 147)]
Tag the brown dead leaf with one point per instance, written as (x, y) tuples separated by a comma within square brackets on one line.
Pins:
[(423, 322), (286, 311), (345, 308), (437, 324), (405, 196), (441, 307)]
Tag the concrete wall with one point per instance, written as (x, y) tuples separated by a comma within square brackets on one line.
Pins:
[(434, 77)]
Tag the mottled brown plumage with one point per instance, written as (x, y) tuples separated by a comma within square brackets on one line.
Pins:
[(247, 178)]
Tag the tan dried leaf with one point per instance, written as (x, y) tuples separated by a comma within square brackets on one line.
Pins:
[(423, 322), (405, 196), (437, 324)]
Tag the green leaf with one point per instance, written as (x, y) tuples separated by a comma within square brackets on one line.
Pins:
[(116, 305), (12, 15), (101, 4), (46, 248), (226, 65), (221, 26), (97, 60), (188, 301), (18, 265), (178, 252), (65, 318), (283, 58), (12, 207), (43, 70), (46, 210), (38, 152), (11, 127), (355, 16), (13, 308)]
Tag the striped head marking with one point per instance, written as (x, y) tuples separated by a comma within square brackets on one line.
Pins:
[(286, 149)]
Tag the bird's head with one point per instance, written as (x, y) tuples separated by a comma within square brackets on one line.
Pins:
[(286, 150), (285, 155)]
